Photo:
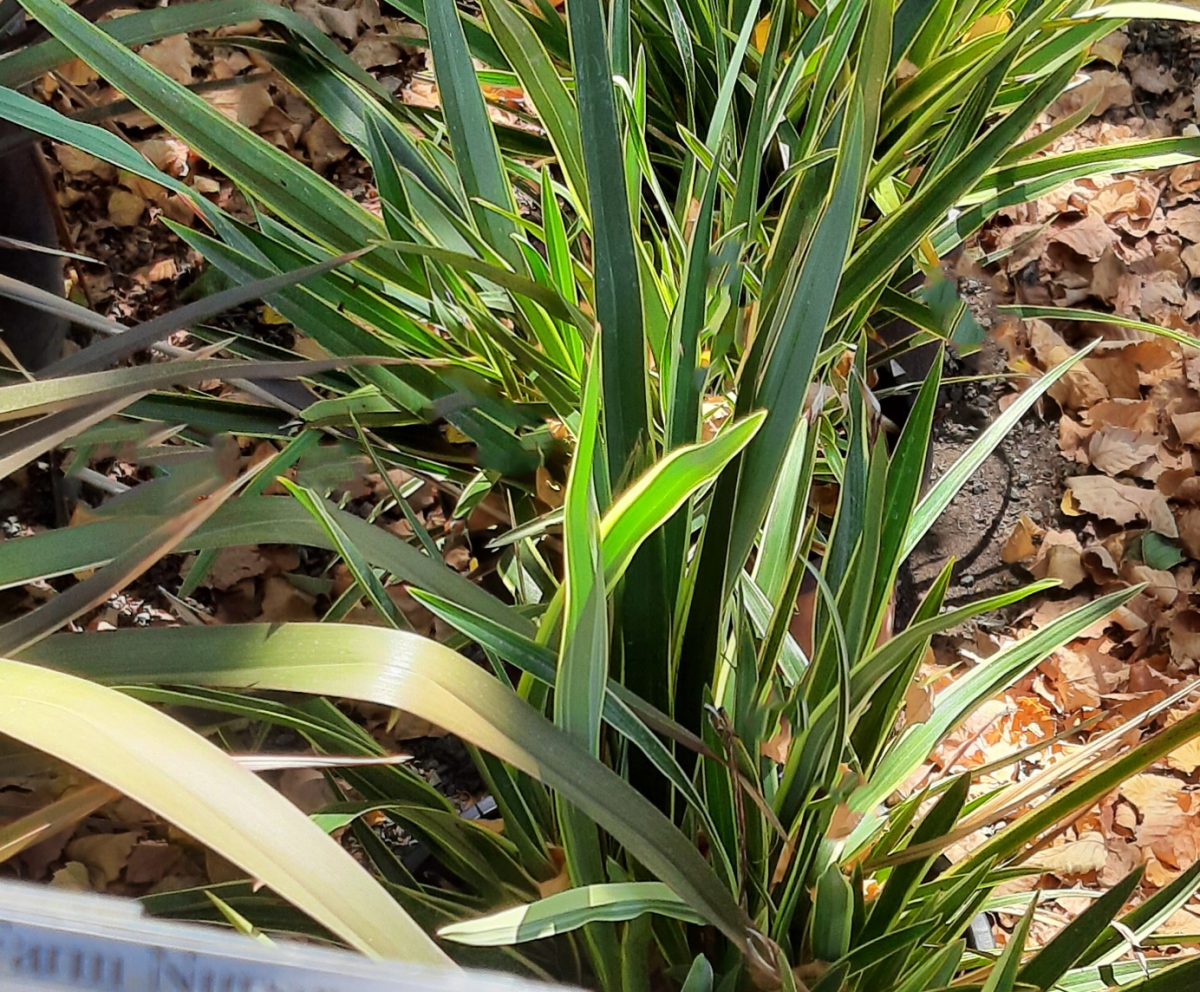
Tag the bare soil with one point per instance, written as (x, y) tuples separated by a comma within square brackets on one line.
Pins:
[(1023, 477)]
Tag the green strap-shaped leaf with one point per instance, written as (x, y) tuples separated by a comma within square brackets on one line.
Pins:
[(1026, 181), (618, 300), (659, 492), (1112, 942), (364, 576), (974, 687), (1069, 944), (583, 659), (1003, 976), (26, 399), (833, 912), (570, 910), (1096, 317), (1086, 791), (248, 520), (539, 78), (141, 26), (471, 136)]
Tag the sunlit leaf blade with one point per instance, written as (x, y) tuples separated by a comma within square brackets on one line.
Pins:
[(536, 71), (141, 752), (247, 521), (1097, 317), (583, 658), (655, 496), (63, 814), (567, 911)]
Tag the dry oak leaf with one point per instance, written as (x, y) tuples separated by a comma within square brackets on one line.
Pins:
[(75, 163), (918, 704), (1163, 821), (1185, 221), (174, 56), (150, 862), (1184, 636), (1073, 439), (1181, 484), (1107, 275), (1022, 543), (232, 565), (1104, 88), (1150, 76), (1154, 359), (1185, 178), (1119, 376), (1087, 854), (1185, 759), (377, 52), (1136, 415), (1154, 295), (1128, 204), (780, 746), (104, 854), (1079, 388), (1059, 558), (1187, 426), (1082, 678), (125, 209), (1114, 450), (1122, 859), (843, 822), (253, 102), (1110, 48), (77, 73), (1189, 529), (324, 145), (73, 876), (561, 880), (170, 155), (282, 602), (1160, 584), (1089, 238), (1121, 502), (1100, 562), (307, 788)]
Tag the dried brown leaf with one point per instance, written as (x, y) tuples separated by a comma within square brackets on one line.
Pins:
[(1123, 503), (1114, 450), (1022, 543)]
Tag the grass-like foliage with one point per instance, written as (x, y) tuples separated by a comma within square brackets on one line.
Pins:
[(676, 264)]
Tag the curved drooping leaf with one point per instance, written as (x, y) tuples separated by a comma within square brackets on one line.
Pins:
[(178, 774), (412, 673)]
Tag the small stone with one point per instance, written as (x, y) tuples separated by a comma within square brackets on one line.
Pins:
[(967, 581), (1022, 452)]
